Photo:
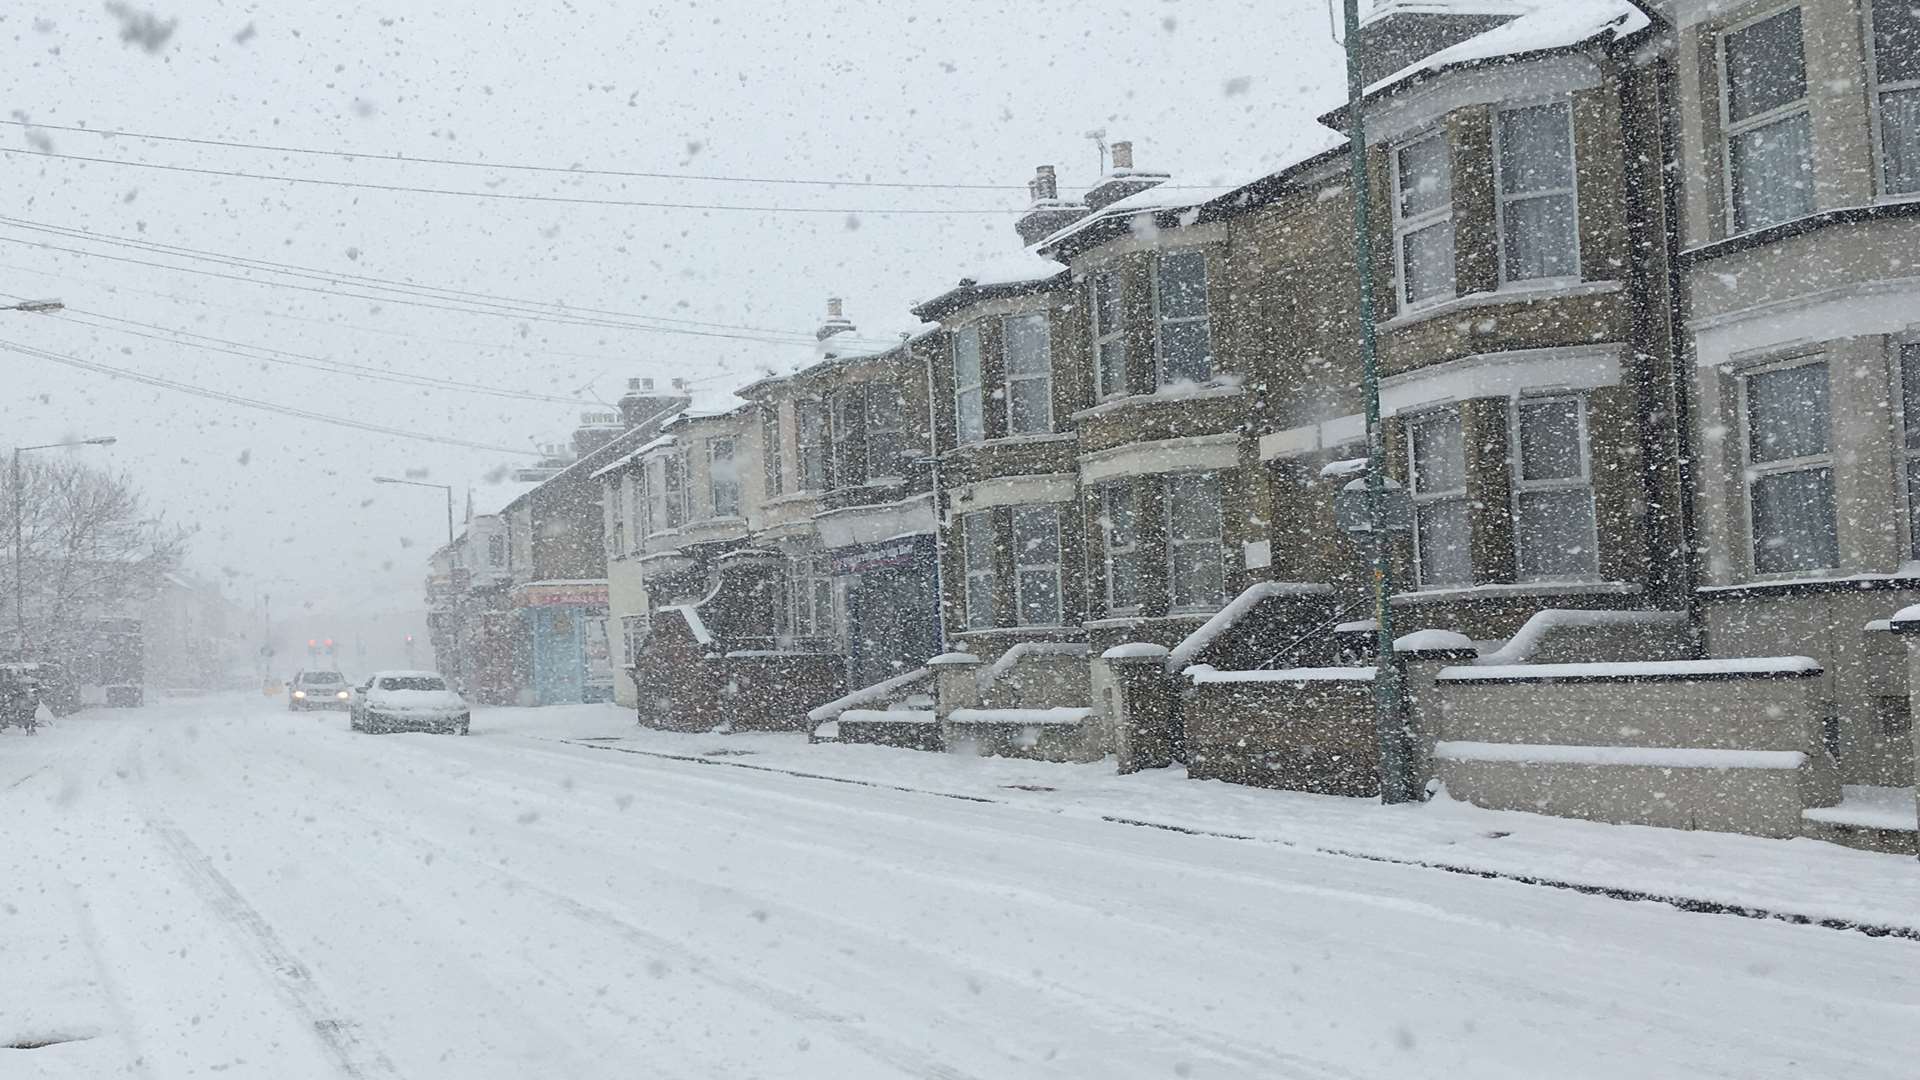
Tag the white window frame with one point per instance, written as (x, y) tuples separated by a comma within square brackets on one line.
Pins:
[(638, 525), (616, 497), (1523, 487), (974, 390), (973, 572), (714, 483), (1161, 320), (1875, 96), (1024, 565), (1043, 375), (1104, 335), (807, 609), (1906, 353), (1504, 198), (1730, 130), (1404, 227), (821, 447), (770, 463), (876, 391), (1422, 500), (1110, 492), (1751, 471), (633, 635), (1211, 546), (844, 434), (673, 488), (496, 550)]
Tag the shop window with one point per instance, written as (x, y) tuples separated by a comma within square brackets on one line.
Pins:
[(1195, 535), (1423, 221), (978, 550), (1538, 212), (1769, 132), (969, 419), (1789, 471), (1109, 336), (1029, 374), (1184, 339), (1553, 523), (1441, 530)]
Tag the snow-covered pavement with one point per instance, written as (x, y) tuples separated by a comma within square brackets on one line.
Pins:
[(218, 888)]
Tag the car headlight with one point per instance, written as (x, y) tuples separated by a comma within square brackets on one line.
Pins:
[(342, 695), (299, 693)]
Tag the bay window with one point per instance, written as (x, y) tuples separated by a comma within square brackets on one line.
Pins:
[(617, 517), (1442, 533), (969, 419), (1553, 522), (977, 548), (770, 449), (1538, 212), (1121, 540), (810, 423), (723, 478), (1036, 565), (1195, 530), (1910, 440), (1423, 220), (1029, 374), (1789, 469), (673, 489), (1896, 76), (1768, 129), (1183, 338), (1109, 338)]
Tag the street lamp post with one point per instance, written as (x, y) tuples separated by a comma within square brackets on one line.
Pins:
[(454, 609), (1390, 723), (19, 551)]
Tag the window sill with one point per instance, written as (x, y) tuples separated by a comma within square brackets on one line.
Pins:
[(1520, 293), (792, 497), (1220, 386), (1908, 577), (1018, 440), (1516, 589)]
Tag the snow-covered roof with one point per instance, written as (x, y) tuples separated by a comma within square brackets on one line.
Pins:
[(1543, 26), (493, 498)]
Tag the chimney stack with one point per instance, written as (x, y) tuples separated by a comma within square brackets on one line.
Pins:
[(1122, 179), (1048, 213), (646, 384), (833, 307), (837, 321)]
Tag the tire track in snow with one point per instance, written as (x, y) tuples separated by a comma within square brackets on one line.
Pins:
[(1225, 1046), (339, 1037)]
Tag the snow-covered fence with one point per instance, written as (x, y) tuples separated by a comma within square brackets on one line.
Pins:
[(1733, 744)]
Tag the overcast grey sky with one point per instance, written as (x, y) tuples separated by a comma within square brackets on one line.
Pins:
[(955, 91)]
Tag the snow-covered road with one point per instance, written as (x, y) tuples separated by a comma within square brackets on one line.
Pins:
[(217, 888)]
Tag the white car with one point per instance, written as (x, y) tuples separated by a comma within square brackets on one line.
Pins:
[(408, 701)]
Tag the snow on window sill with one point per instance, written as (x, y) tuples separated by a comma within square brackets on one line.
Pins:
[(1217, 387), (1527, 292), (806, 495), (1522, 588)]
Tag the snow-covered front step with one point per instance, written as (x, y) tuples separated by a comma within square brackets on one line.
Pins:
[(1872, 818), (1056, 734)]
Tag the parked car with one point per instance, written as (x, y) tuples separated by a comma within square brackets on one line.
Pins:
[(408, 701), (318, 690)]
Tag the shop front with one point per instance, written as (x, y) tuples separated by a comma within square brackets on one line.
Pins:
[(564, 627)]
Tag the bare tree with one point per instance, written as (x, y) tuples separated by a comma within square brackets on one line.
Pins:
[(90, 554)]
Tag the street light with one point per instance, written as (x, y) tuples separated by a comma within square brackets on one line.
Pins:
[(1390, 724), (19, 556), (38, 307), (448, 488)]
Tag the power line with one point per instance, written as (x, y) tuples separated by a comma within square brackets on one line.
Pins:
[(303, 360), (580, 200), (403, 299), (252, 403), (570, 170), (519, 307)]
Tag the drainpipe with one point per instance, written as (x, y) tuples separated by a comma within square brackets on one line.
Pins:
[(933, 467), (1390, 721)]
